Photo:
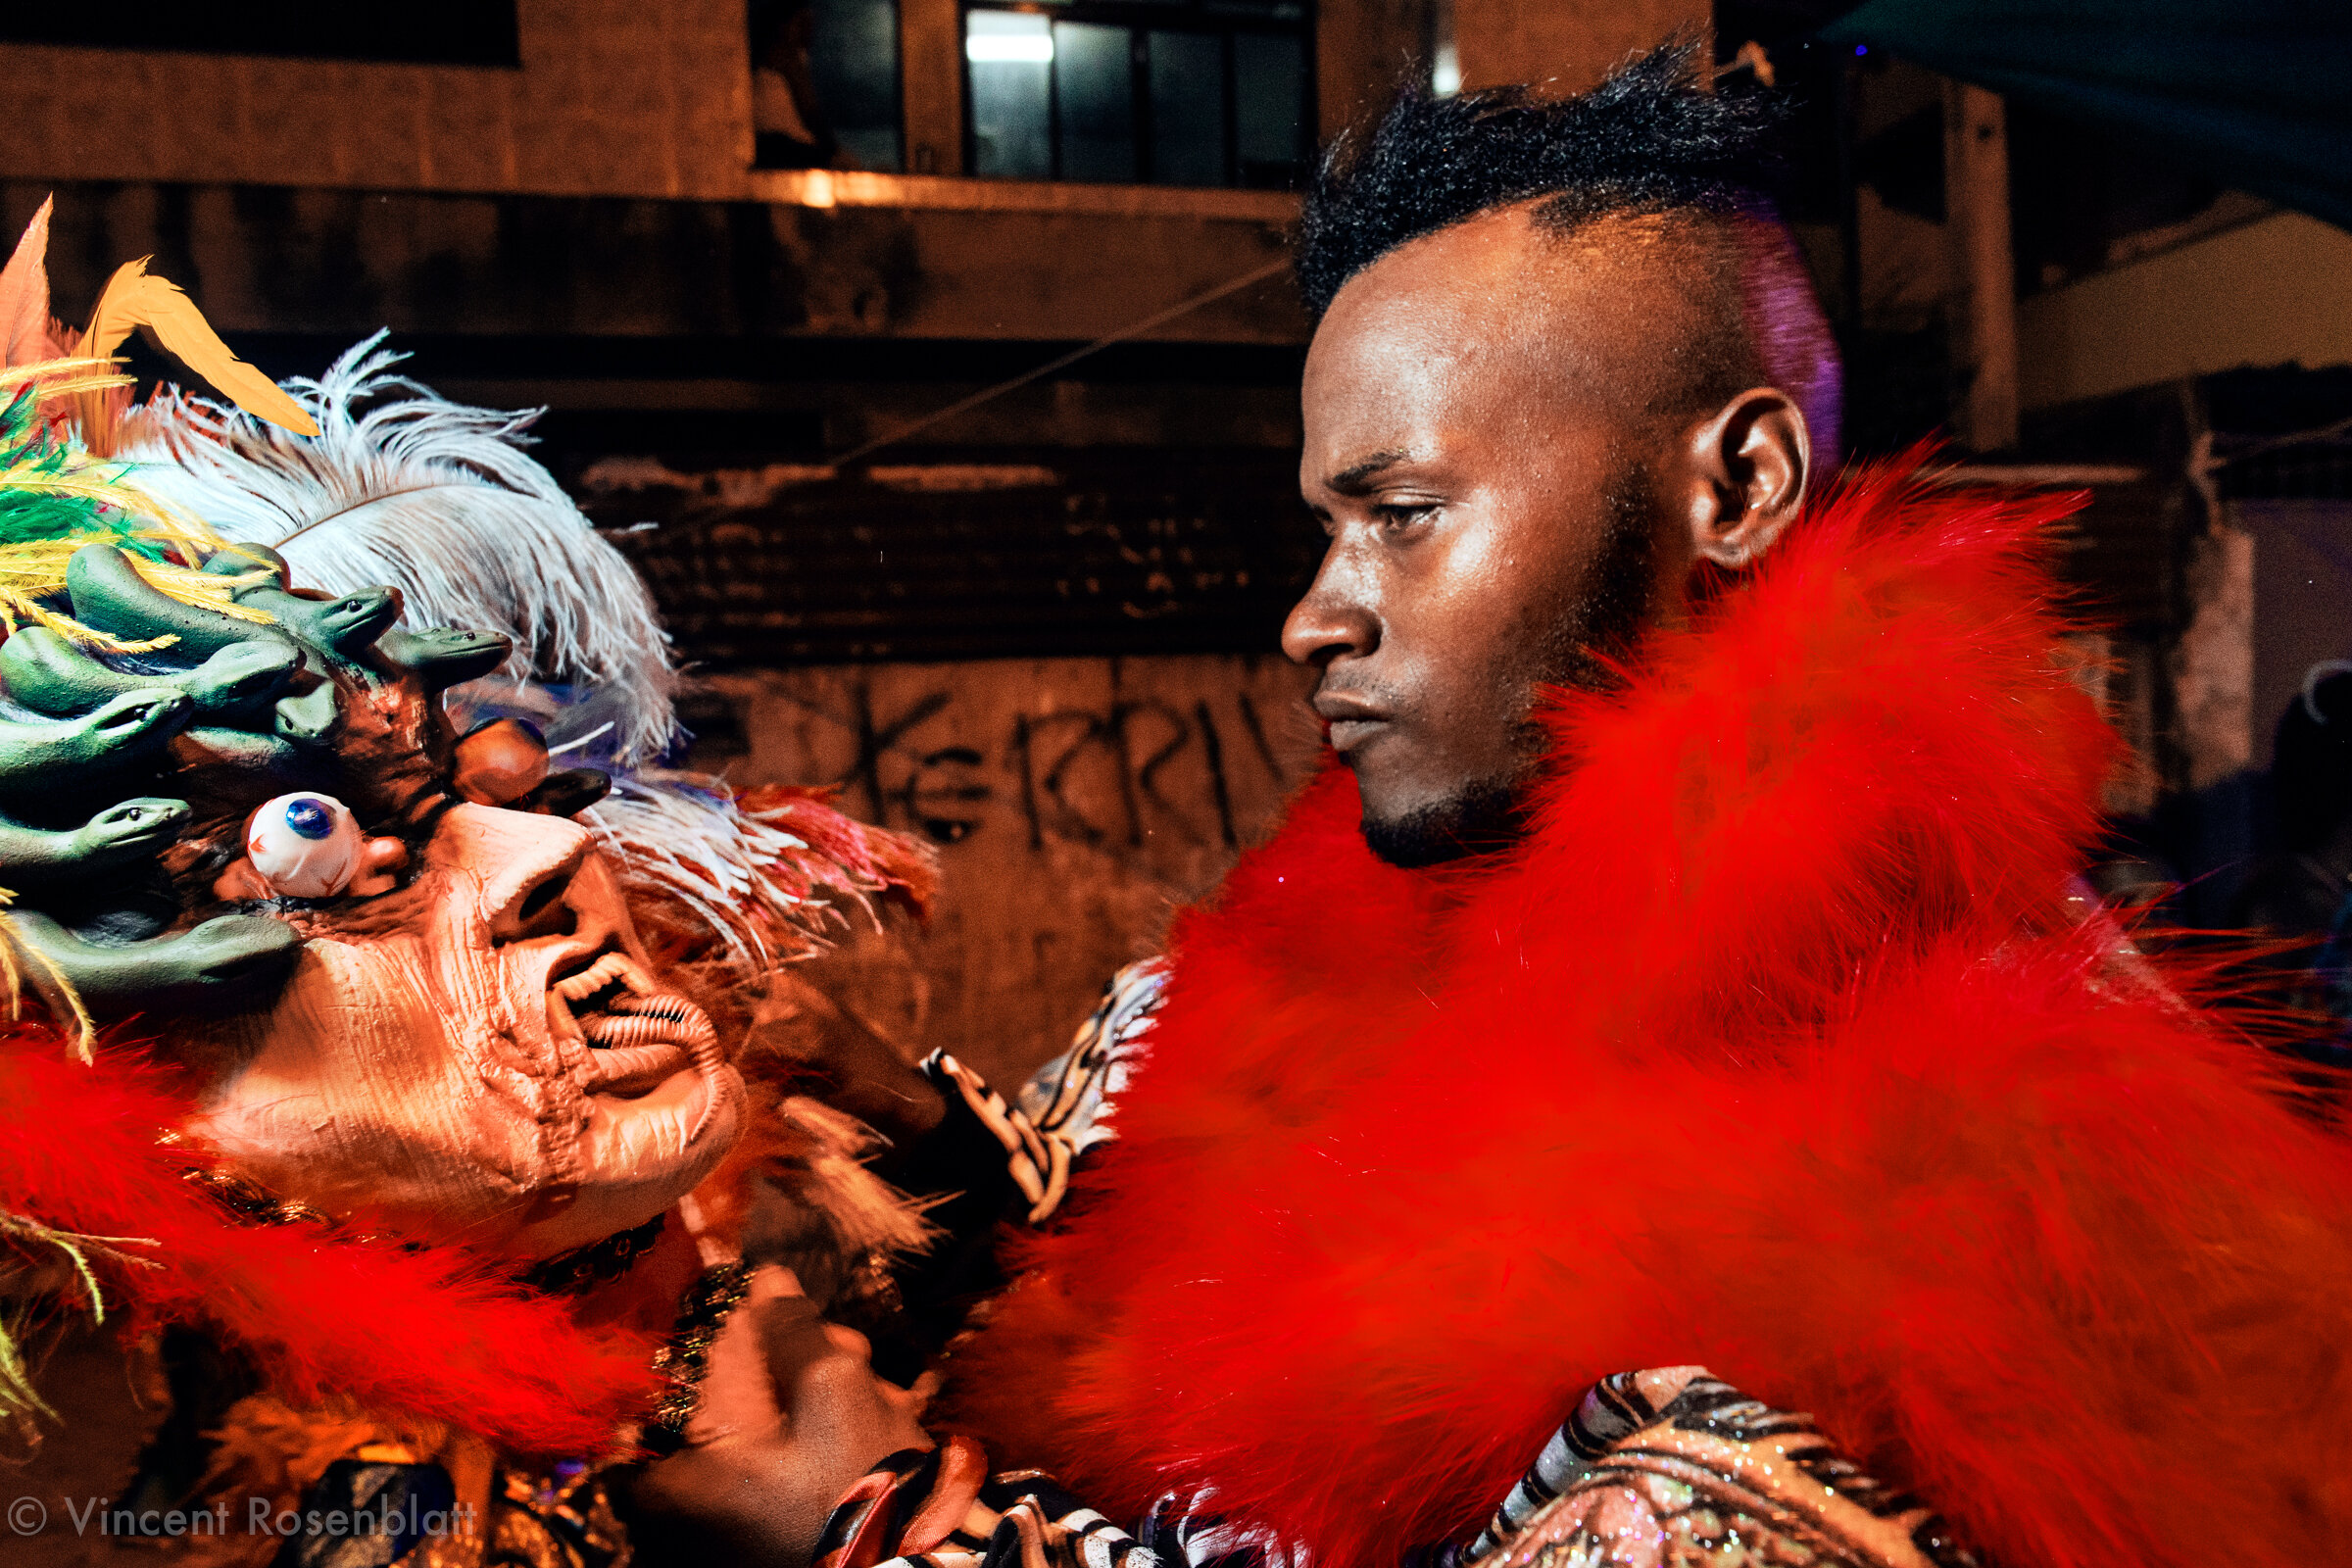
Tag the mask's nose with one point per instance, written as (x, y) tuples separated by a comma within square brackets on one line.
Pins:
[(526, 864)]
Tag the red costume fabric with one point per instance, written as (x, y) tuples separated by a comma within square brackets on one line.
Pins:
[(1772, 1049)]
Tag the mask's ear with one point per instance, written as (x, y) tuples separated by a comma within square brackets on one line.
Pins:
[(1748, 465)]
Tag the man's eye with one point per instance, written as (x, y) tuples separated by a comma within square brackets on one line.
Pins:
[(1394, 516)]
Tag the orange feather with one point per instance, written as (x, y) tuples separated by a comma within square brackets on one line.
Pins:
[(135, 297)]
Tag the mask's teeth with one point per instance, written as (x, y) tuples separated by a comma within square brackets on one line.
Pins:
[(598, 975)]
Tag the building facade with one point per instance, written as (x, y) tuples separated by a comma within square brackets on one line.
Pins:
[(816, 295)]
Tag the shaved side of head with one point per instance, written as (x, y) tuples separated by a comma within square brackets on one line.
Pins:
[(1753, 319)]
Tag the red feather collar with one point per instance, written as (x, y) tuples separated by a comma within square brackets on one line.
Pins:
[(1771, 1050), (427, 1335)]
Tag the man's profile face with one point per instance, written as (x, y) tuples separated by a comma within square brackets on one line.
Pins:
[(1485, 478)]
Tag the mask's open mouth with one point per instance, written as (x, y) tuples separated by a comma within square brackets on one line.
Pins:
[(639, 1037)]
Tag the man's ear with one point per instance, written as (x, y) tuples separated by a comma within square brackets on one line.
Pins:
[(1749, 464)]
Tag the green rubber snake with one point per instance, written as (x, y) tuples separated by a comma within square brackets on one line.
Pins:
[(47, 756), (49, 675), (219, 963), (127, 832), (109, 593)]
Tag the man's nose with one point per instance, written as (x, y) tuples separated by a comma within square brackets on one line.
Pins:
[(1334, 619)]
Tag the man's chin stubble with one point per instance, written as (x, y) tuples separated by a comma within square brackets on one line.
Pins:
[(1478, 820)]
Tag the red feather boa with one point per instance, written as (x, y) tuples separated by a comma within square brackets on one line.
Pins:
[(425, 1334), (1770, 1051)]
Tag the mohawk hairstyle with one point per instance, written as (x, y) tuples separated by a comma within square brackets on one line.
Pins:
[(1650, 140)]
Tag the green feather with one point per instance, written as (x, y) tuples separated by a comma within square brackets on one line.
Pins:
[(51, 491)]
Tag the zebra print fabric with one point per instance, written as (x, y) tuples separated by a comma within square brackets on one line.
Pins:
[(1073, 1095), (937, 1509), (1065, 1109)]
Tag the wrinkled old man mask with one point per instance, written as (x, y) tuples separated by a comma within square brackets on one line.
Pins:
[(479, 1054), (452, 1032)]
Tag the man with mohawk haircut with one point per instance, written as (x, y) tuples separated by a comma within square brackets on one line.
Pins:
[(1659, 1098)]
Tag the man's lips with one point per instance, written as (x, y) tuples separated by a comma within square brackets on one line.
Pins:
[(1349, 720)]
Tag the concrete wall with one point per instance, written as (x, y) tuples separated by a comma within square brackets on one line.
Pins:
[(604, 186), (2277, 291), (324, 259), (613, 98), (398, 172), (620, 99), (1076, 802)]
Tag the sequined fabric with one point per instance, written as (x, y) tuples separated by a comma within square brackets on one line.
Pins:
[(1676, 1469), (560, 1518), (682, 1360)]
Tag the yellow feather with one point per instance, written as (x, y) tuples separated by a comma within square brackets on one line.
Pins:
[(33, 571), (134, 297), (60, 991), (94, 413), (208, 589), (17, 604), (62, 376), (112, 318), (14, 605), (92, 480)]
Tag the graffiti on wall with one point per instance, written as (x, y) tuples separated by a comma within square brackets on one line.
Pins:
[(944, 789), (1076, 803)]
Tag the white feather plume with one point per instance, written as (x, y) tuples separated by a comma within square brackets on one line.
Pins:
[(403, 487), (674, 835)]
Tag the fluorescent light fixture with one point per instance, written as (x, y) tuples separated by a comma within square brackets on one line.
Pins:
[(1446, 72), (1009, 49)]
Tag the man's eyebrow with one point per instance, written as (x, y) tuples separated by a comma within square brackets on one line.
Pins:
[(1350, 480)]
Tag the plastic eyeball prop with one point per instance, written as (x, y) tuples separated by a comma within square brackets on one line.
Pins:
[(304, 846)]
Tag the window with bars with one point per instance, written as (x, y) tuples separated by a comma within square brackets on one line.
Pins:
[(1185, 93)]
